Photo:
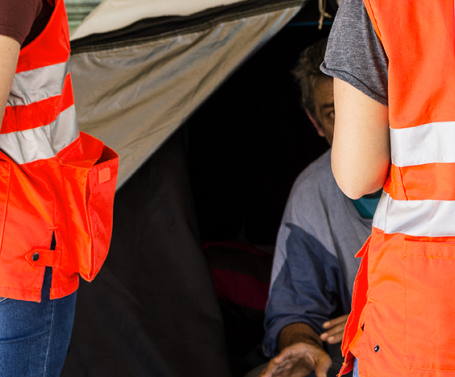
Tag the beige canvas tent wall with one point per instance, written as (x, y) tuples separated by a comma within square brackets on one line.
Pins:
[(132, 92), (141, 69)]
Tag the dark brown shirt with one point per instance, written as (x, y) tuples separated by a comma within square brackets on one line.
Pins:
[(24, 20)]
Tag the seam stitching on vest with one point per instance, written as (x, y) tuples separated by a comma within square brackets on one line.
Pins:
[(405, 305), (402, 185), (375, 20)]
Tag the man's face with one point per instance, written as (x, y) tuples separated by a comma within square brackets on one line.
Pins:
[(325, 111)]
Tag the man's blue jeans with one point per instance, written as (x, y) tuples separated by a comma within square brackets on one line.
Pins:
[(356, 369), (34, 337)]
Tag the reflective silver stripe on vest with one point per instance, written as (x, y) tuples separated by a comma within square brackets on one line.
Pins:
[(49, 81), (42, 142), (426, 144), (420, 218)]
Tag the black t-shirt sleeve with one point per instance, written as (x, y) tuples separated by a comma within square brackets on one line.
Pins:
[(17, 17), (41, 21), (354, 52)]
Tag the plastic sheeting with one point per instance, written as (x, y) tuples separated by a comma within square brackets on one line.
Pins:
[(134, 94), (116, 14), (152, 310)]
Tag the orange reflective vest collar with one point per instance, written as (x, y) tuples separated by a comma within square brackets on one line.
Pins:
[(53, 179), (404, 303)]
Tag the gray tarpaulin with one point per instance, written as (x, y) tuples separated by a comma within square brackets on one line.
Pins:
[(116, 14), (134, 94), (152, 310)]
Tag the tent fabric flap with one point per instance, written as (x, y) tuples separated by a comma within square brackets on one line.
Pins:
[(133, 93), (115, 14)]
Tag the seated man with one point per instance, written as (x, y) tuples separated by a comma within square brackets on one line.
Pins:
[(314, 265)]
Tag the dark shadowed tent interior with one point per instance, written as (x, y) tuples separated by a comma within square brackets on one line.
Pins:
[(198, 100)]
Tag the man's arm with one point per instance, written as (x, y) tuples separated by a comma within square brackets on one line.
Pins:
[(361, 145), (300, 353), (301, 349), (297, 309), (306, 283), (297, 333), (9, 53)]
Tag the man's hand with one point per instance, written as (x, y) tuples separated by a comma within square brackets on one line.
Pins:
[(335, 330), (299, 360), (300, 353)]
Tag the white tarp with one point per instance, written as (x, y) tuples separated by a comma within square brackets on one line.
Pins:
[(133, 94), (116, 14)]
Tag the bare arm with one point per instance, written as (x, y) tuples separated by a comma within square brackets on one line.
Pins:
[(9, 53), (297, 333), (361, 146)]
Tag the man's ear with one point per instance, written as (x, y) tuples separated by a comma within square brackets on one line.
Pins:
[(315, 124)]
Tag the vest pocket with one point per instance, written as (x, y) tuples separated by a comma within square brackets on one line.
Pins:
[(90, 189), (101, 183), (430, 305)]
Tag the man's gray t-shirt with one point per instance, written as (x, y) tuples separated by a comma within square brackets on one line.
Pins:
[(354, 52), (314, 266)]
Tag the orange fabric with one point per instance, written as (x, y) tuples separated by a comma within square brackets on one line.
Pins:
[(359, 296), (89, 231), (406, 307), (421, 92), (61, 195), (402, 327), (422, 182), (372, 17), (429, 339), (52, 46), (69, 195), (37, 114)]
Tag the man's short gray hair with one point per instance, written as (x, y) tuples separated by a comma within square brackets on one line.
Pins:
[(308, 74)]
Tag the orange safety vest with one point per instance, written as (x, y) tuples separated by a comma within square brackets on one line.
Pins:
[(53, 179), (402, 321)]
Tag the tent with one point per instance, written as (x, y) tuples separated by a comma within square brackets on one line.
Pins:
[(167, 84)]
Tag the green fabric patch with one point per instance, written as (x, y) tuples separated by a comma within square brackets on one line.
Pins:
[(367, 204)]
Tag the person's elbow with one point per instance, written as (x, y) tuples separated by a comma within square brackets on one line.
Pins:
[(355, 181), (355, 189), (349, 189)]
